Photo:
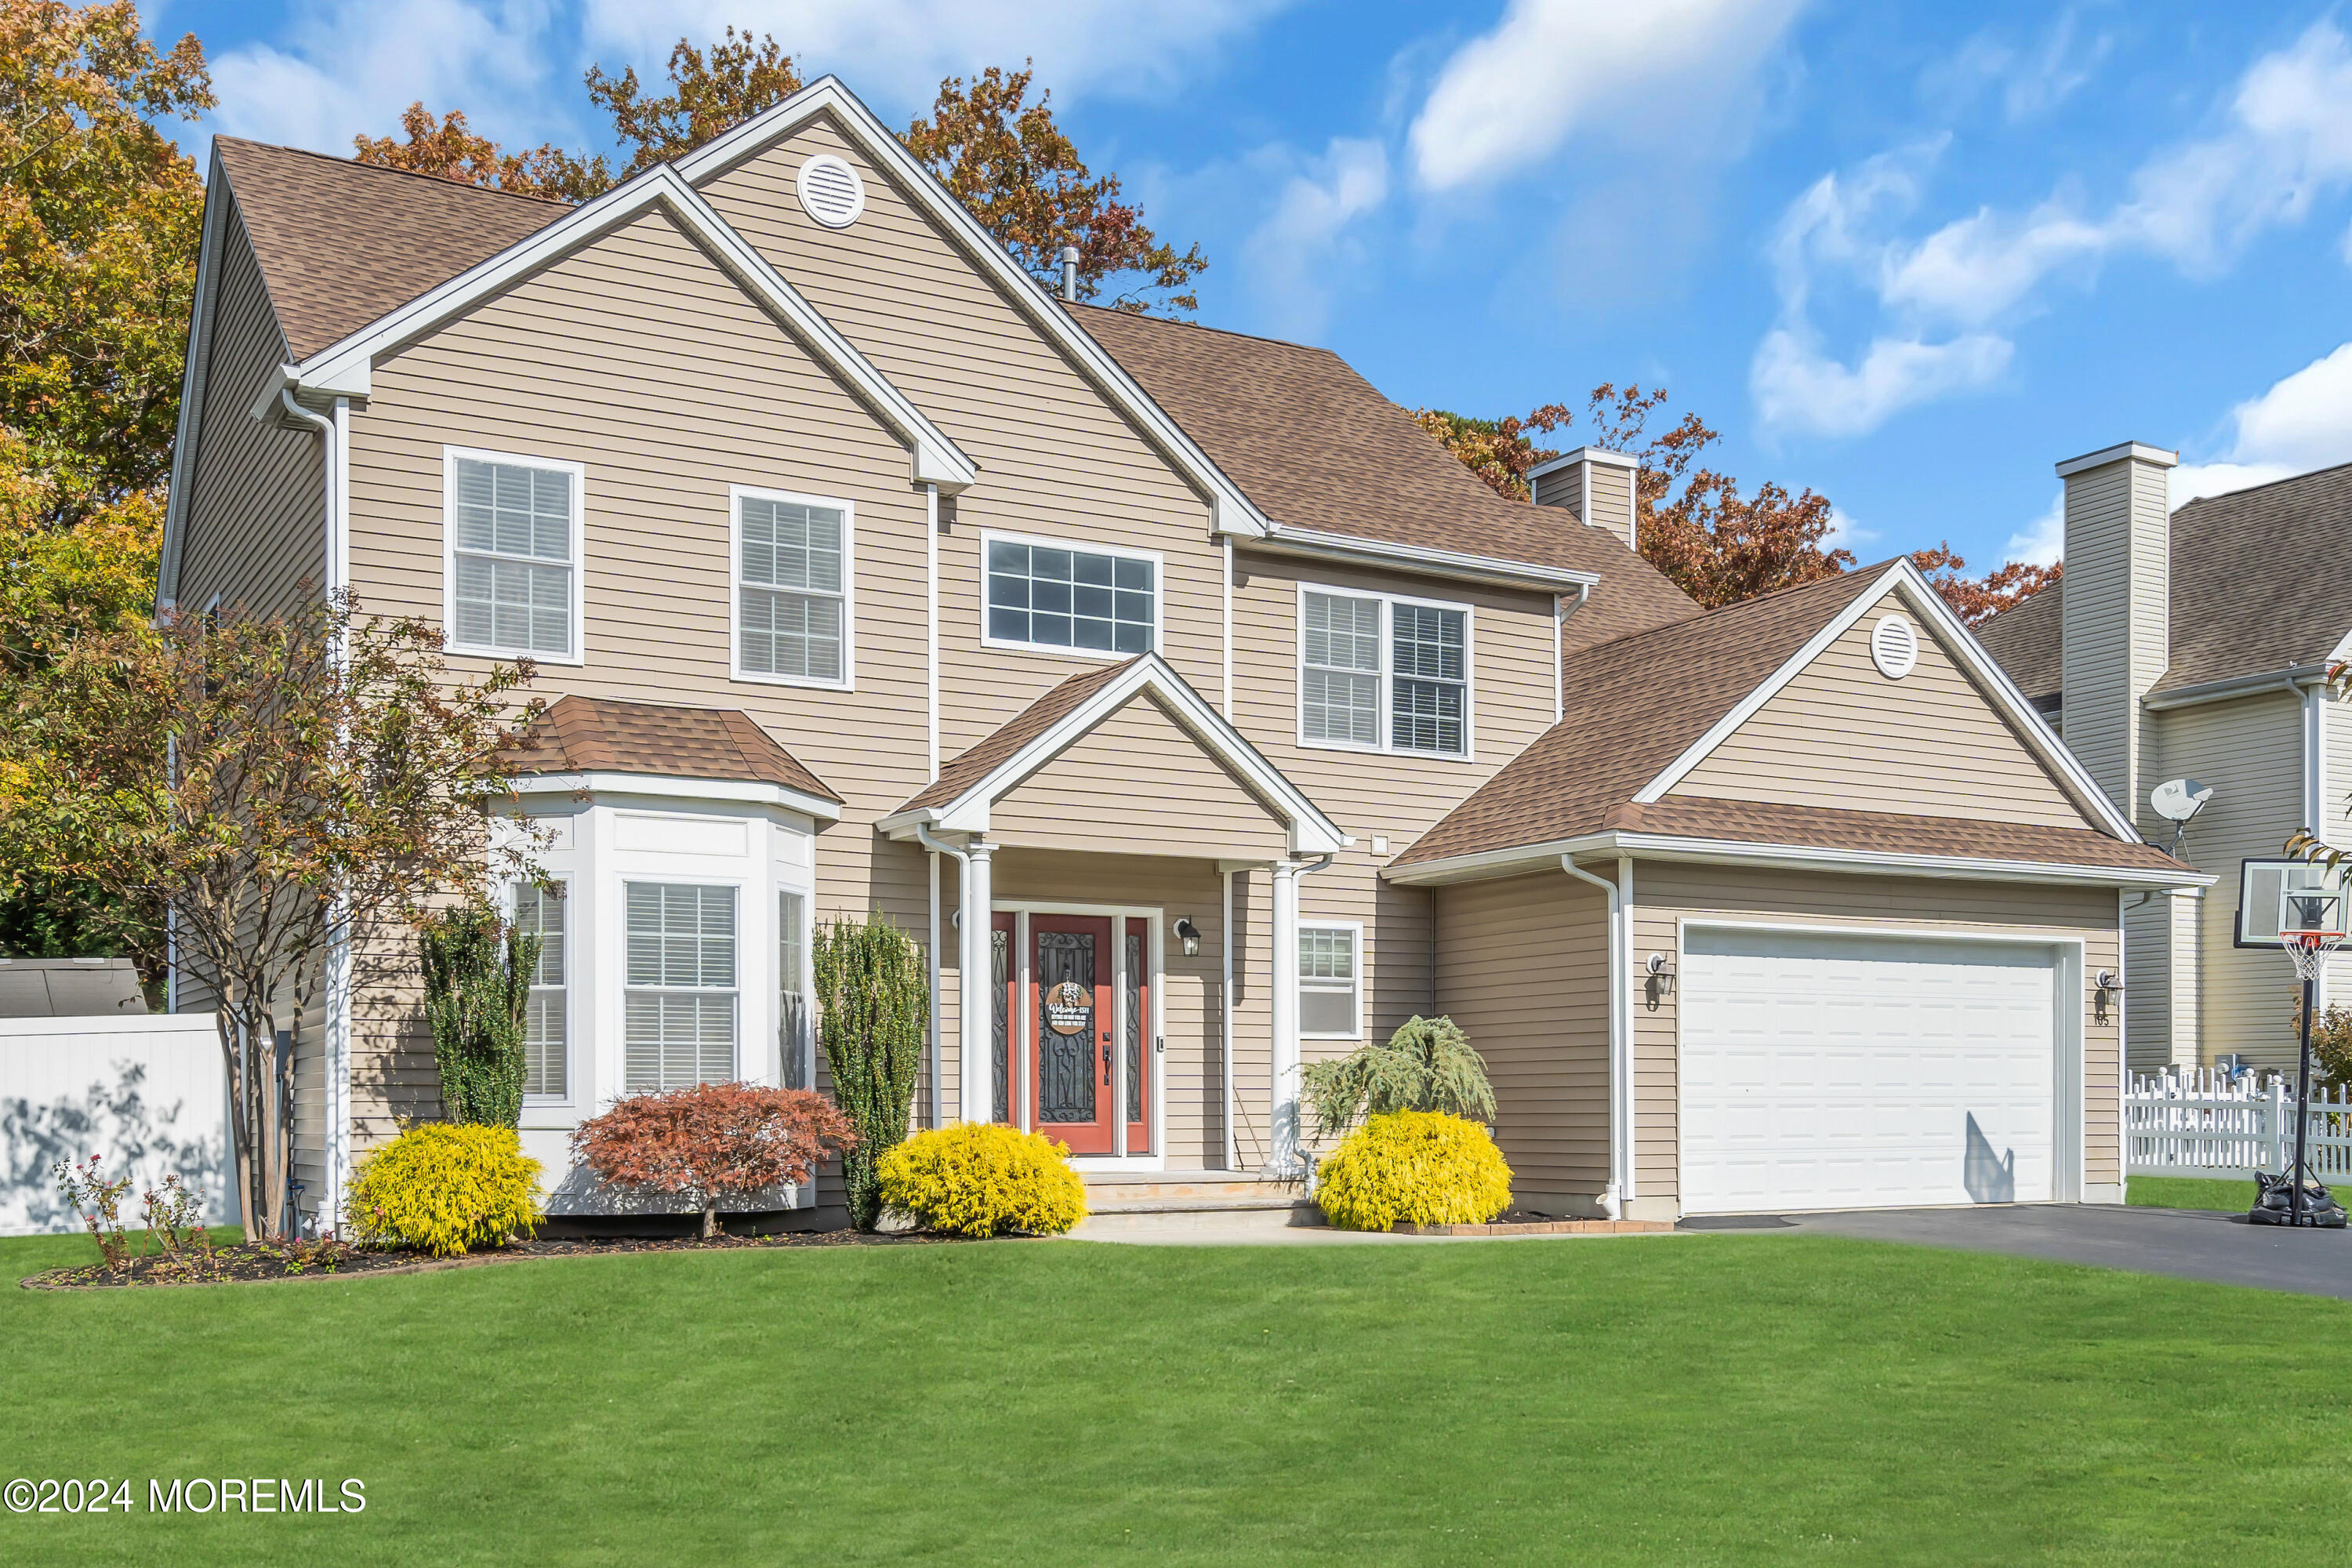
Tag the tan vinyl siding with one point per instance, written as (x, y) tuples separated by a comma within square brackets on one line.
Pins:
[(1664, 893), (254, 528), (1842, 735), (1612, 501), (1523, 966), (2251, 751), (2115, 646), (1057, 461), (1138, 782)]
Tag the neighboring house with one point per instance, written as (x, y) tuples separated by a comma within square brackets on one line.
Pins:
[(2197, 645), (1195, 710), (68, 988)]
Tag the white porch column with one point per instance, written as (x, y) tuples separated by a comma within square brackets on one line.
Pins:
[(1281, 1121), (975, 1095)]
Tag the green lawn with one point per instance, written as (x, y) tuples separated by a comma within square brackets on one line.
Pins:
[(2189, 1192), (1697, 1399)]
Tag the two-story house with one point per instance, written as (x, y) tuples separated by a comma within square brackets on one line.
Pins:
[(2196, 644), (1195, 711)]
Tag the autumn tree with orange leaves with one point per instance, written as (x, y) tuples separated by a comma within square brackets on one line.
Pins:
[(1003, 156)]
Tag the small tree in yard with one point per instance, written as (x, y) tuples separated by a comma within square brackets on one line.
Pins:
[(295, 790), (1427, 1065), (875, 1007), (478, 974), (714, 1141)]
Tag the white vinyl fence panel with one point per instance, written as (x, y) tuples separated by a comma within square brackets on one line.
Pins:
[(146, 1094), (2207, 1123)]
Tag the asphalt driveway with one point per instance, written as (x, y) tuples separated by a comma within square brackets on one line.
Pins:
[(2186, 1243)]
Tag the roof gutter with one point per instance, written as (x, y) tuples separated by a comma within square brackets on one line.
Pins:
[(2293, 678), (1317, 545), (1520, 859)]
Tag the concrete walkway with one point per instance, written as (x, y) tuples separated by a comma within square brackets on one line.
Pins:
[(2188, 1244)]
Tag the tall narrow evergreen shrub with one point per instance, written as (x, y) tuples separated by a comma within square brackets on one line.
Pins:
[(875, 1007), (477, 971)]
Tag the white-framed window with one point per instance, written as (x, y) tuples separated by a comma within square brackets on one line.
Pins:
[(546, 1033), (794, 587), (510, 554), (1381, 672), (1330, 981), (678, 998), (795, 1018), (1054, 597)]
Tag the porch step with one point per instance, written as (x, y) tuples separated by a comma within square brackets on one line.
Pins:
[(1125, 1200)]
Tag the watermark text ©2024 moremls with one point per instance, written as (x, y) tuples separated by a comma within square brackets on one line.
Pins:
[(200, 1494)]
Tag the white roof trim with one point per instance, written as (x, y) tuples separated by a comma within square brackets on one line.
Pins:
[(1585, 455), (2100, 459), (2262, 683), (344, 368), (1311, 831), (1904, 578), (1232, 511), (218, 196), (1322, 545), (1529, 857), (747, 792)]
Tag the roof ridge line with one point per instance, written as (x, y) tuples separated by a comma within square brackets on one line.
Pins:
[(556, 202), (2266, 484), (1840, 578), (1204, 327)]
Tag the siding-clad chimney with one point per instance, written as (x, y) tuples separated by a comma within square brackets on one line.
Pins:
[(1596, 485), (2115, 637)]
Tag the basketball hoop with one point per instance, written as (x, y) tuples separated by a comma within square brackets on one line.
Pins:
[(2301, 905), (2307, 949)]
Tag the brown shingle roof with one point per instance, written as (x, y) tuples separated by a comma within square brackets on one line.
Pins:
[(1316, 446), (1015, 733), (1632, 706), (2258, 584), (342, 244), (1751, 822), (596, 734)]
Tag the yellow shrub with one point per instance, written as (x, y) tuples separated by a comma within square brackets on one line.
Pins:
[(981, 1180), (445, 1188), (1413, 1167)]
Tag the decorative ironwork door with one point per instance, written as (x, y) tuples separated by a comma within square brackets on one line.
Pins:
[(1142, 1043), (1072, 1031)]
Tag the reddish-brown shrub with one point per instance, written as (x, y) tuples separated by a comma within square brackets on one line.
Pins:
[(713, 1142)]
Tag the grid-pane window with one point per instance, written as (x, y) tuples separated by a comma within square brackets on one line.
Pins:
[(1077, 599), (1431, 678), (511, 543), (1340, 687), (540, 912), (1327, 981), (792, 606), (678, 1005), (792, 1042)]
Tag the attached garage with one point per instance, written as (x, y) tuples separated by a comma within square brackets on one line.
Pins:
[(1823, 1069)]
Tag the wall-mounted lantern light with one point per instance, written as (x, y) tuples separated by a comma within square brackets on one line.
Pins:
[(1660, 967), (2109, 985), (1190, 935)]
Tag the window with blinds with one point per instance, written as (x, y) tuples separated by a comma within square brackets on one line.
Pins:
[(791, 589), (540, 912), (794, 1046), (678, 1001), (1431, 677), (1379, 673), (1339, 689), (513, 547), (1328, 993)]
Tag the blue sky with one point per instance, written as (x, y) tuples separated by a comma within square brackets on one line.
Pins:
[(1910, 255)]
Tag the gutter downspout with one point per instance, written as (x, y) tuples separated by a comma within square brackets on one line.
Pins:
[(939, 846), (1288, 1067), (334, 434), (1613, 1200), (1225, 1019)]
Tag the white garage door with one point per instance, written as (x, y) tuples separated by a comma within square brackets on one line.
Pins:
[(1851, 1072)]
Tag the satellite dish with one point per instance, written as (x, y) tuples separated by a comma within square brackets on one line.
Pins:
[(2178, 800)]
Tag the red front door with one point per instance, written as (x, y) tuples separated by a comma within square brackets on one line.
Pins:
[(1072, 1031)]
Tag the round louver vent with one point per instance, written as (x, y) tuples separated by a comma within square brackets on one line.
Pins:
[(831, 191), (1894, 647)]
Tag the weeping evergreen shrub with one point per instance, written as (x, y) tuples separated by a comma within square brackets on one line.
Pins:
[(874, 1006), (477, 971), (1427, 1065)]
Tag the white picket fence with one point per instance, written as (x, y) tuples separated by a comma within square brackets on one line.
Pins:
[(2201, 1123)]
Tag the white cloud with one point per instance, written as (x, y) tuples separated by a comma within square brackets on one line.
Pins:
[(1845, 533), (1551, 68), (1948, 299), (2043, 541), (2032, 79), (1305, 243)]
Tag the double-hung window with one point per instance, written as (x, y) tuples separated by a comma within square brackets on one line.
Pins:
[(1381, 673), (1329, 982), (679, 998), (792, 588), (1064, 599), (540, 912), (513, 555)]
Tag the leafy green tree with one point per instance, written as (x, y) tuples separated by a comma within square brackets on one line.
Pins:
[(874, 1013), (478, 974)]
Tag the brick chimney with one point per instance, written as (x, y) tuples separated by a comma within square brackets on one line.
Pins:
[(1597, 486), (2115, 617)]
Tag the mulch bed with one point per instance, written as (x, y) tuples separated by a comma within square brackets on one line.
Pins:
[(252, 1261)]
